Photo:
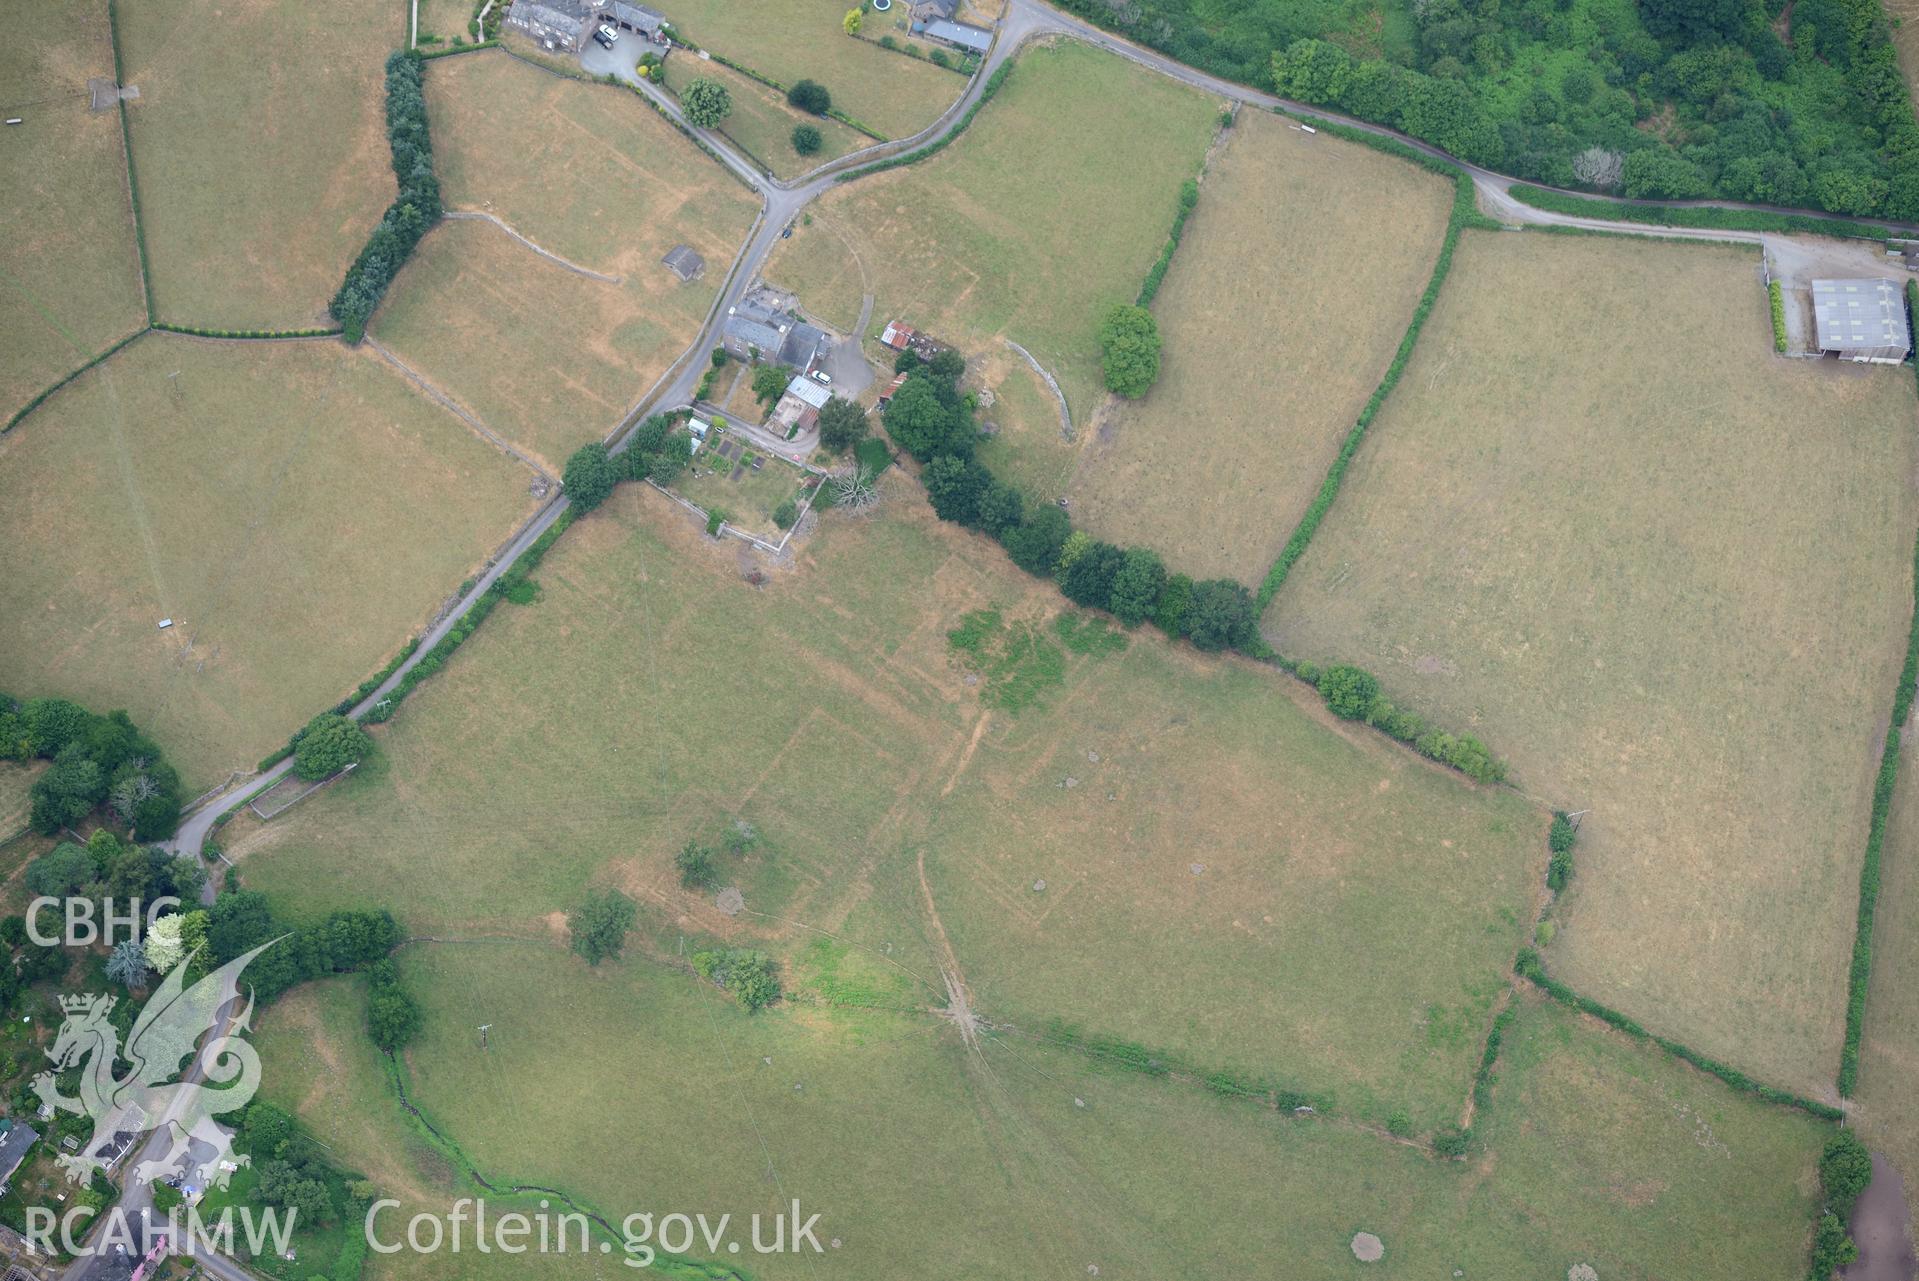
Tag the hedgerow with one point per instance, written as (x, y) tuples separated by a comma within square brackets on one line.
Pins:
[(1465, 214), (832, 112), (1704, 217), (994, 83), (1779, 315), (412, 213), (1529, 967), (40, 399), (1353, 693), (1861, 970), (255, 334), (1188, 201)]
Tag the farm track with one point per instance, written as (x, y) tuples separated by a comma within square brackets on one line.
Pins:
[(1023, 22)]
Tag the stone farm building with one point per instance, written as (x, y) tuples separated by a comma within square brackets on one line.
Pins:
[(565, 25), (684, 263), (958, 34), (1861, 320), (754, 333)]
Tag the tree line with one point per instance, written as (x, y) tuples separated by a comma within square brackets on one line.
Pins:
[(933, 420), (412, 213)]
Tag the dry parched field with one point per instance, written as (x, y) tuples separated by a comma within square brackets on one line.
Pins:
[(296, 508), (788, 40), (261, 151), (69, 274), (1355, 912), (546, 357), (1046, 211), (1290, 291), (1666, 575), (1887, 1115)]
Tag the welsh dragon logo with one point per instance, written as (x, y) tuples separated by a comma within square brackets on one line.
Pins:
[(147, 1097)]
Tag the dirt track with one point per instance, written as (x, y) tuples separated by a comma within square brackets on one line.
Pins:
[(1882, 1226)]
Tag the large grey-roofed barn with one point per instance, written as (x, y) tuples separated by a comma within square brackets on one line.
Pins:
[(1863, 320)]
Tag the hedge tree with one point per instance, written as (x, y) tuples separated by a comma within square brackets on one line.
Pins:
[(329, 744), (589, 476), (811, 96), (1129, 350)]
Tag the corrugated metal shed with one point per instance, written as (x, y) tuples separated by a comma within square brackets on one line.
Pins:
[(1862, 320)]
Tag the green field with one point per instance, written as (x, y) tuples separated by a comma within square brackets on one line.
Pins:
[(789, 40), (15, 779), (827, 708), (1666, 575), (761, 124), (69, 275), (1049, 209), (261, 151), (546, 357), (1622, 1158), (296, 508), (1294, 281)]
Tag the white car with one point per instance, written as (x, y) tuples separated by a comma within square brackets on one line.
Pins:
[(822, 377), (608, 35)]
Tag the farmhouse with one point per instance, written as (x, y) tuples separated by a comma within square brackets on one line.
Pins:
[(565, 24), (684, 263), (753, 332), (15, 1142), (1861, 320)]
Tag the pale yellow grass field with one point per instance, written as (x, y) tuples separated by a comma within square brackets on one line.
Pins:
[(260, 145), (1046, 211), (1888, 1110), (1287, 298), (548, 358), (1667, 575), (69, 275), (296, 508)]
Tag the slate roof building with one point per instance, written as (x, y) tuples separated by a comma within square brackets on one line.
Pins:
[(958, 34), (1861, 320), (684, 263), (555, 24), (752, 331)]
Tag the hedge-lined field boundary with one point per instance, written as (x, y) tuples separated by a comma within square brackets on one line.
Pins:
[(1703, 217), (41, 399), (833, 113), (994, 83), (1465, 214), (428, 55), (250, 335), (415, 209), (1156, 275), (133, 183), (1777, 297), (1529, 967), (1860, 974)]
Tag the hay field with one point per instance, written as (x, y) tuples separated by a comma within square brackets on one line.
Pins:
[(588, 171), (1888, 1114), (548, 358), (761, 124), (788, 40), (296, 508), (1666, 575), (69, 274), (827, 709), (1287, 298), (1055, 1167), (260, 145), (1047, 210)]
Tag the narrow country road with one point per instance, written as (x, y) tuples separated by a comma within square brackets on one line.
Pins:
[(782, 202)]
